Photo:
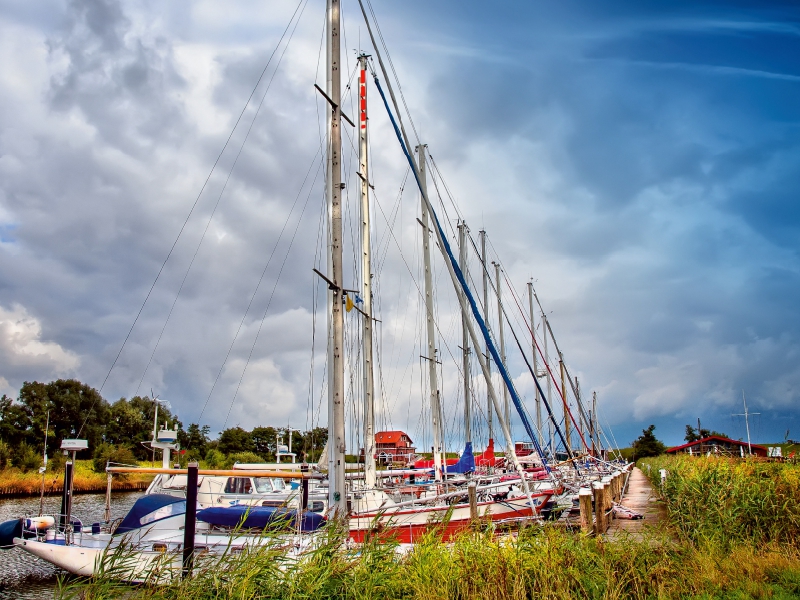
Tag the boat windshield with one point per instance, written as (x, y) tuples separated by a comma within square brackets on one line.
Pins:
[(264, 485)]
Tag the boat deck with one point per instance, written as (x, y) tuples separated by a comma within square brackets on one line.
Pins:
[(641, 497)]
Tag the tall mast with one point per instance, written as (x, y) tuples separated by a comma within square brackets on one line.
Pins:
[(370, 475), (549, 385), (337, 496), (506, 412), (436, 412), (746, 416), (535, 361), (595, 443), (567, 427), (462, 260), (489, 410)]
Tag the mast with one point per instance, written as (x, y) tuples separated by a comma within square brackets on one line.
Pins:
[(489, 410), (436, 412), (506, 413), (566, 406), (370, 475), (337, 496), (462, 260), (549, 385), (746, 416), (535, 361), (593, 425)]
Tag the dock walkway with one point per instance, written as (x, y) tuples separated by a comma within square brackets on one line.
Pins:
[(641, 497)]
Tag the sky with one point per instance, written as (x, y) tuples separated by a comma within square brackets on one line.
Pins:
[(638, 162)]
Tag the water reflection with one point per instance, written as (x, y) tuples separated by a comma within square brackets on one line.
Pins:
[(25, 576)]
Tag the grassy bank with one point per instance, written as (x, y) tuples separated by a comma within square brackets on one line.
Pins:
[(14, 482), (703, 552), (728, 502)]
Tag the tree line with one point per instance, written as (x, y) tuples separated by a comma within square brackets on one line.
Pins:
[(67, 408)]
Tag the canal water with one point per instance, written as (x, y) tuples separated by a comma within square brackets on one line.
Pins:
[(26, 577)]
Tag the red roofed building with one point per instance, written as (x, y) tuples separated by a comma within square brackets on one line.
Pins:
[(718, 445), (394, 446)]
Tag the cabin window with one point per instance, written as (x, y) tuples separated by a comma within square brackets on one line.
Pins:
[(316, 506), (177, 508), (238, 485)]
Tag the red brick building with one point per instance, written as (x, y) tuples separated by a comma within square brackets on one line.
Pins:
[(394, 446)]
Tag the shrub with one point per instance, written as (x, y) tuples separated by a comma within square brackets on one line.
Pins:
[(244, 457), (216, 459), (26, 458), (106, 453)]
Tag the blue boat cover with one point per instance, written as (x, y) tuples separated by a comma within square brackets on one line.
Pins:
[(465, 464), (8, 531), (259, 517), (149, 509)]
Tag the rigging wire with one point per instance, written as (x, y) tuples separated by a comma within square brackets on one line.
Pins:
[(219, 198), (272, 295), (191, 211)]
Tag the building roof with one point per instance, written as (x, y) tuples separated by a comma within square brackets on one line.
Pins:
[(391, 437), (718, 438)]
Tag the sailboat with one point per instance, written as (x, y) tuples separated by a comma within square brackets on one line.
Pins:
[(153, 535), (156, 526)]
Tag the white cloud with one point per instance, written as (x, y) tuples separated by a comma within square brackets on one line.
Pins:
[(23, 351)]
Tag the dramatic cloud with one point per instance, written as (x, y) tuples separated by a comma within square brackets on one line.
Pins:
[(640, 164)]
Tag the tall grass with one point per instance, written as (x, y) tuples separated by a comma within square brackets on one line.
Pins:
[(723, 501), (85, 479), (541, 563), (720, 551)]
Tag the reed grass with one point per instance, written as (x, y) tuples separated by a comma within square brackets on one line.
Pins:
[(709, 548), (727, 502), (542, 563), (85, 479)]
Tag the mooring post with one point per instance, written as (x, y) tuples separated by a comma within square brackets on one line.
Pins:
[(472, 491), (585, 502), (107, 514), (599, 511), (190, 520), (304, 488), (607, 504), (66, 497)]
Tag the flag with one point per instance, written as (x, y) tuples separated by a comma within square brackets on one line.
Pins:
[(348, 303)]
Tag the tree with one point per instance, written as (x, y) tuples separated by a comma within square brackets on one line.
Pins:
[(235, 440), (647, 444), (131, 423), (694, 434), (16, 425), (195, 439), (313, 443), (76, 410), (264, 442)]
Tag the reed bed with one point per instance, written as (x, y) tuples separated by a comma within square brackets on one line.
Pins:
[(541, 563), (728, 502), (731, 532), (14, 482)]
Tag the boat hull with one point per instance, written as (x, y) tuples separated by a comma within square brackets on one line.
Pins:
[(410, 525)]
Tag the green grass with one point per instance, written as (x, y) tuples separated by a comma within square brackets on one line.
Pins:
[(709, 548)]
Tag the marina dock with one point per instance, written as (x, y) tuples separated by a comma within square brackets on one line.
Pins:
[(639, 496)]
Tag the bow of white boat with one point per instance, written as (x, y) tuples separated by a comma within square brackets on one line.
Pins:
[(75, 559)]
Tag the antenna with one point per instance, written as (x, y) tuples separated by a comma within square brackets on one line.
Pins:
[(746, 416)]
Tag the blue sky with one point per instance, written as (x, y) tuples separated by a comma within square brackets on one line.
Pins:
[(638, 161)]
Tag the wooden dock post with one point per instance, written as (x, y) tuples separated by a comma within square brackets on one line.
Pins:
[(472, 491), (599, 512), (585, 502), (608, 499)]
